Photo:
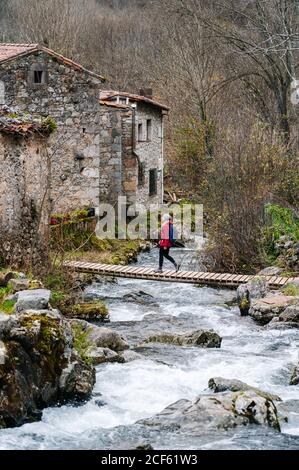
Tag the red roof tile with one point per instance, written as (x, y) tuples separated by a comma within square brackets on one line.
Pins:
[(113, 105), (23, 128), (22, 124), (107, 95), (8, 51), (12, 51)]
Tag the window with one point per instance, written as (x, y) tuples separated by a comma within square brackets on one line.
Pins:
[(153, 182), (38, 76), (149, 130), (123, 100), (140, 132)]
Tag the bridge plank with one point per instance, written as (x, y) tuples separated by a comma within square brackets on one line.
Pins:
[(194, 276), (208, 276), (143, 272), (200, 275), (226, 276)]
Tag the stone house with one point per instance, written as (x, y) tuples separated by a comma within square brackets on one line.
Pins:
[(36, 80), (134, 124), (104, 146)]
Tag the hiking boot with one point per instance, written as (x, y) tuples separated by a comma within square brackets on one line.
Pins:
[(159, 270)]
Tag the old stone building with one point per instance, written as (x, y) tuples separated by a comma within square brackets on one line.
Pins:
[(103, 145), (134, 124), (38, 81)]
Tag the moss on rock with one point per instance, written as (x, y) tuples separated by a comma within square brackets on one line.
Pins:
[(89, 311)]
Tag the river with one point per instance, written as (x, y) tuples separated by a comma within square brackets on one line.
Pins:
[(126, 393)]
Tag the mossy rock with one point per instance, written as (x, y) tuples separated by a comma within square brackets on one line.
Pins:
[(35, 284), (89, 311)]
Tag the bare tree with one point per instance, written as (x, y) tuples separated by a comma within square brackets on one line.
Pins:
[(261, 40), (63, 25)]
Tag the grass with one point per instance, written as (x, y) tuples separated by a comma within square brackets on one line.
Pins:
[(4, 291), (291, 290), (109, 252), (82, 343), (7, 306)]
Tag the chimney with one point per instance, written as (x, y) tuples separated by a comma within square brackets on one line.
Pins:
[(147, 92)]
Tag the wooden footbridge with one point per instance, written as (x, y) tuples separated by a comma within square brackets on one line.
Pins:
[(201, 278)]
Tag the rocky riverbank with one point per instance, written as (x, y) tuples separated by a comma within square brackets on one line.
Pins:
[(272, 309), (163, 357)]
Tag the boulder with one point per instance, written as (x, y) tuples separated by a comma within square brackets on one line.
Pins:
[(102, 337), (39, 366), (107, 338), (129, 356), (213, 412), (219, 384), (265, 309), (295, 375), (246, 293), (290, 314), (270, 271), (140, 297), (89, 311), (102, 355), (21, 284), (77, 380), (200, 338), (5, 278), (37, 299)]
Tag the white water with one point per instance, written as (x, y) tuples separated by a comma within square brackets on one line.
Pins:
[(125, 393)]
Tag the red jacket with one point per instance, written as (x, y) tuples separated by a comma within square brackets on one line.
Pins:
[(166, 235)]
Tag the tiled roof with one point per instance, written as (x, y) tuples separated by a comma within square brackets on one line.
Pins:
[(20, 128), (13, 122), (8, 51), (12, 51), (113, 105), (107, 95)]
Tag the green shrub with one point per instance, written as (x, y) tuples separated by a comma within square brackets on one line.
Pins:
[(7, 306), (4, 291), (81, 343), (283, 222)]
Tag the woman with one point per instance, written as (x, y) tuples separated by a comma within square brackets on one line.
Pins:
[(166, 242)]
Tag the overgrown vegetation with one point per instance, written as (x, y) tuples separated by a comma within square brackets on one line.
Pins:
[(291, 290), (81, 343), (283, 221), (7, 306)]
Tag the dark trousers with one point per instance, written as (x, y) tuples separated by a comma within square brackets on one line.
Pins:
[(164, 253)]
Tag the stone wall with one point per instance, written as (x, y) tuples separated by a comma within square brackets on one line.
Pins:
[(24, 200), (125, 160), (130, 163), (70, 96), (150, 152), (111, 154)]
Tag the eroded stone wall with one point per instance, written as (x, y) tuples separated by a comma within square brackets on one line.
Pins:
[(130, 162), (69, 96), (111, 154), (24, 200), (150, 152)]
